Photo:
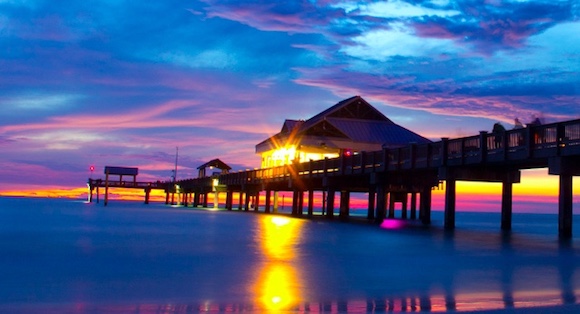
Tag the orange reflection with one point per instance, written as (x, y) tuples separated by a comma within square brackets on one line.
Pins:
[(278, 283)]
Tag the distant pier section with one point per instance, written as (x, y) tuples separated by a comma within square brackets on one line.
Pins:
[(114, 182)]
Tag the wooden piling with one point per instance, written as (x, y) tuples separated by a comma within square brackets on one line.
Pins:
[(506, 203), (268, 201), (413, 205), (106, 188), (381, 203), (450, 200), (565, 214), (147, 194), (391, 205), (310, 203), (330, 203), (425, 205), (371, 203)]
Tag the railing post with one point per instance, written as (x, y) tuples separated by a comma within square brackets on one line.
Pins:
[(560, 136), (444, 150), (386, 159), (399, 161), (483, 146), (504, 144), (530, 143)]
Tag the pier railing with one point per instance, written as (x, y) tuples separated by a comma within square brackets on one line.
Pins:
[(127, 184), (524, 147)]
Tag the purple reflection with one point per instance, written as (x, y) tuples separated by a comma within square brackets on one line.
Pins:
[(392, 224)]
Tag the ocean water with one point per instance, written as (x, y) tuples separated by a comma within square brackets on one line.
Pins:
[(68, 256)]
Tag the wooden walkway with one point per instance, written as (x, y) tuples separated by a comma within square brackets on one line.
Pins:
[(390, 175)]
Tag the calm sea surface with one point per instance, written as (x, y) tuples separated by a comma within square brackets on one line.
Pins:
[(67, 256)]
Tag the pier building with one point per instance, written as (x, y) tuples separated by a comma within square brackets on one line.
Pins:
[(349, 127)]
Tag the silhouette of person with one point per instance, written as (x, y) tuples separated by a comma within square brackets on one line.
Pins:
[(499, 131), (535, 122)]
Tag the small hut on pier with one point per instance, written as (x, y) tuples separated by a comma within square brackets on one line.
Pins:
[(349, 127), (213, 164)]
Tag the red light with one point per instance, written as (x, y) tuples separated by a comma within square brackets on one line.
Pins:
[(92, 168), (347, 152)]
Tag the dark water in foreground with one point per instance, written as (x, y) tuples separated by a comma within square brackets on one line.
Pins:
[(63, 256)]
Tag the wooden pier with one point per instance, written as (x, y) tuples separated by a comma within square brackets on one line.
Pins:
[(391, 175)]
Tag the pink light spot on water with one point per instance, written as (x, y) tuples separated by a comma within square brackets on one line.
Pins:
[(392, 224)]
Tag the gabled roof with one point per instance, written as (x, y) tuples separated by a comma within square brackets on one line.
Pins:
[(352, 119), (389, 134), (354, 108), (216, 163), (290, 125)]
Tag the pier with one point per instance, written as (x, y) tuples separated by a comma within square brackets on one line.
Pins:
[(402, 174)]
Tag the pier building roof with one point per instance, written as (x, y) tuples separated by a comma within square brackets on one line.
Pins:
[(352, 125)]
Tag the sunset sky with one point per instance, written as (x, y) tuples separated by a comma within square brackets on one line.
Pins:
[(126, 82)]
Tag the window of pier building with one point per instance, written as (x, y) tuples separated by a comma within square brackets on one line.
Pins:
[(287, 155)]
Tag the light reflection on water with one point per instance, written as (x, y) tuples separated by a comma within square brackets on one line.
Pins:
[(278, 283)]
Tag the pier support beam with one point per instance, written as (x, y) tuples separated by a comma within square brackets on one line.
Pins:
[(371, 203), (256, 201), (300, 203), (381, 203), (275, 204), (197, 201), (565, 207), (91, 188), (310, 203), (413, 205), (450, 201), (295, 202), (106, 188), (344, 204), (425, 205), (391, 205), (506, 203), (229, 199), (247, 201), (268, 202), (330, 203), (404, 197), (566, 168), (216, 199)]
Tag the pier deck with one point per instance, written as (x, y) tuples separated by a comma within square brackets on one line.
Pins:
[(390, 175)]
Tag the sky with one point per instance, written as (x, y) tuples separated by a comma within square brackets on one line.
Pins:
[(128, 83)]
